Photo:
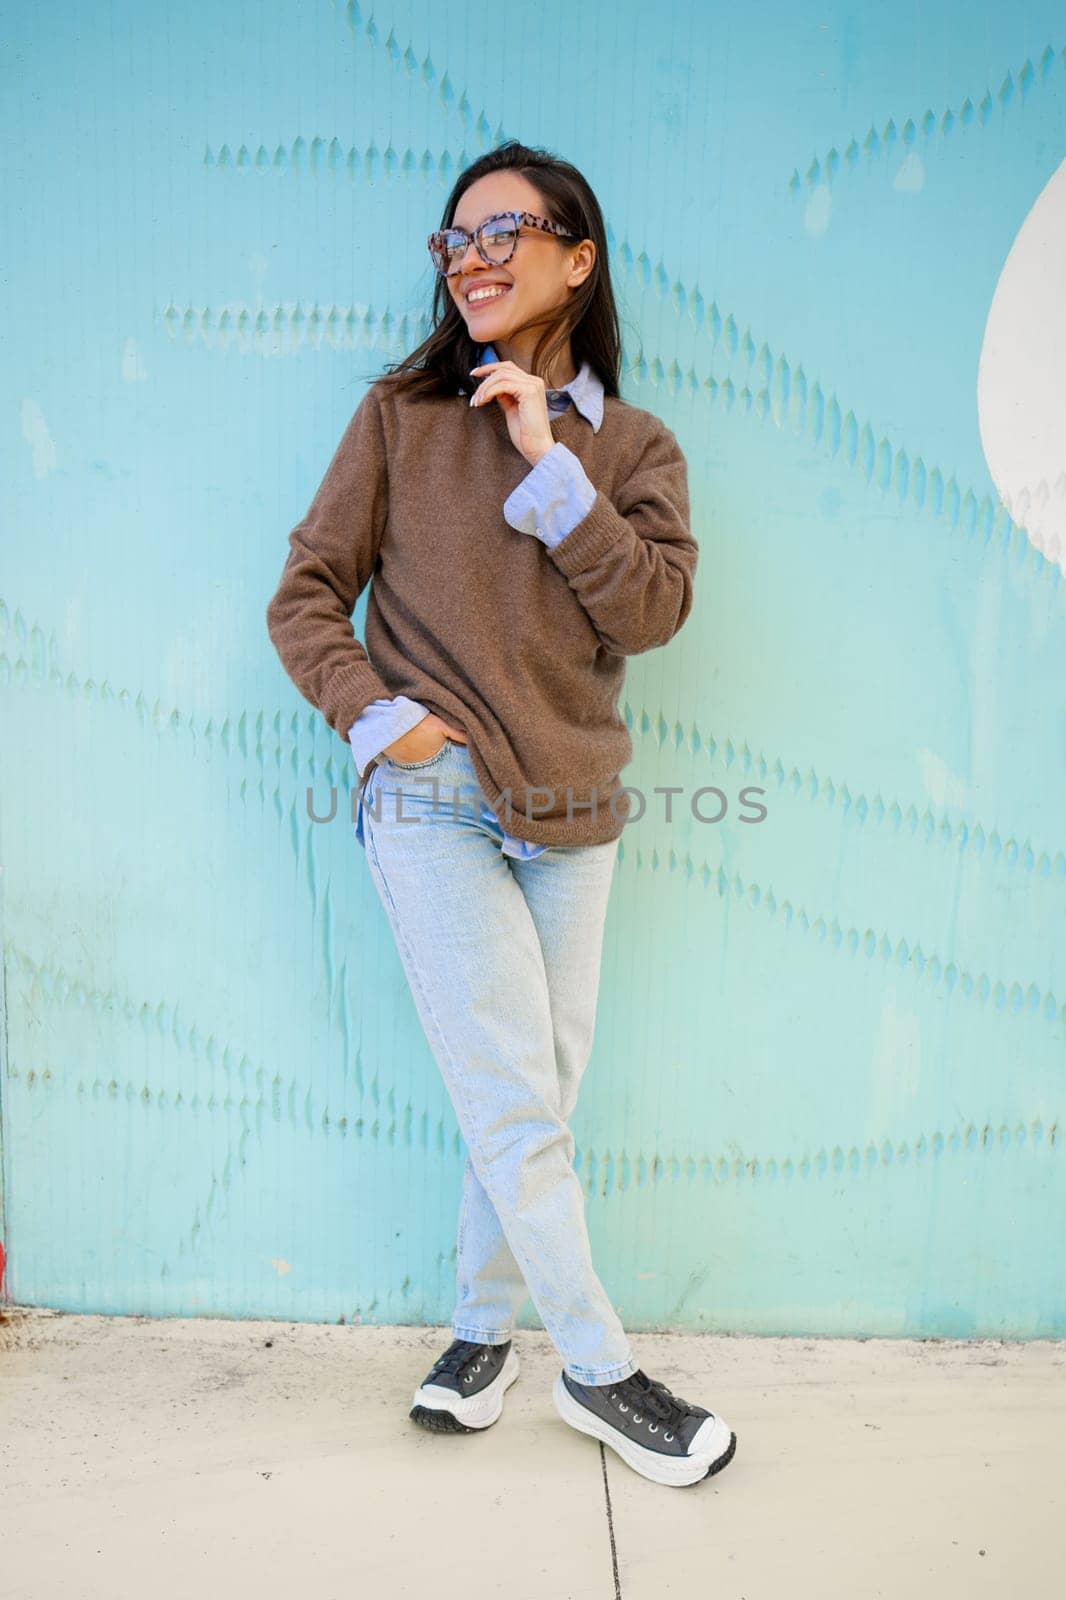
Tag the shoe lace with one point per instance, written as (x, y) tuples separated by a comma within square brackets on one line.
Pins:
[(653, 1396), (456, 1357)]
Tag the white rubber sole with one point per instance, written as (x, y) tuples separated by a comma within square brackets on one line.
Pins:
[(476, 1411), (712, 1448)]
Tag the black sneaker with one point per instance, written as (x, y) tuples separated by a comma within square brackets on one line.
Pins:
[(464, 1388), (659, 1435)]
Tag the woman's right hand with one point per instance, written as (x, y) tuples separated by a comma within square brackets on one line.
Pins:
[(424, 739)]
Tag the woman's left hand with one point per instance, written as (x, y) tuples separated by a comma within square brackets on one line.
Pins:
[(525, 405)]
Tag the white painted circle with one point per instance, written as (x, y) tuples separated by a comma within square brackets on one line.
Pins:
[(1021, 376)]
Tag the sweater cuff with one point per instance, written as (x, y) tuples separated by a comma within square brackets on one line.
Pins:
[(593, 537), (348, 693)]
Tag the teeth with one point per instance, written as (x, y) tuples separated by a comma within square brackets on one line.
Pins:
[(485, 294)]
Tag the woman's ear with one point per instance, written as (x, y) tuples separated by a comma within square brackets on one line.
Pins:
[(583, 259)]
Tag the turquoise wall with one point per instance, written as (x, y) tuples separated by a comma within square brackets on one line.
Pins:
[(827, 1087)]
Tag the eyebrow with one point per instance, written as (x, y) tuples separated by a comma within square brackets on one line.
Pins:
[(498, 212)]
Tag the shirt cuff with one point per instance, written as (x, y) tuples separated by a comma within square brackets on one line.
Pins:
[(553, 497), (381, 724)]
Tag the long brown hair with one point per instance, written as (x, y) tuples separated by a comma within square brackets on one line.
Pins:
[(441, 364)]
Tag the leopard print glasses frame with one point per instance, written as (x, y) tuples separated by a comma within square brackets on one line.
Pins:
[(449, 244)]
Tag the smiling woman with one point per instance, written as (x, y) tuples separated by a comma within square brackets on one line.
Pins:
[(523, 530), (525, 222), (538, 283)]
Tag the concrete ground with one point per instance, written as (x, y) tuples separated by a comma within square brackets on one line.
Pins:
[(209, 1458)]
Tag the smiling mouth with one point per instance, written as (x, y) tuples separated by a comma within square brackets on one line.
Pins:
[(488, 299)]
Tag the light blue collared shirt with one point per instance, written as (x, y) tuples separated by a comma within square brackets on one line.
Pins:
[(550, 501)]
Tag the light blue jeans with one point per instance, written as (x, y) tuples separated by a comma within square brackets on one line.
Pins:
[(503, 960)]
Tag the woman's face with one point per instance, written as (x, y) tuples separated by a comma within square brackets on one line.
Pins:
[(537, 280)]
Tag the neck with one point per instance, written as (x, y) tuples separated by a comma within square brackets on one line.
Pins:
[(520, 351)]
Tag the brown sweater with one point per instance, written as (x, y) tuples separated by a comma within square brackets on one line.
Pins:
[(521, 645)]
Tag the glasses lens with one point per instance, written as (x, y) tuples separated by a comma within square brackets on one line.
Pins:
[(498, 237), (447, 249)]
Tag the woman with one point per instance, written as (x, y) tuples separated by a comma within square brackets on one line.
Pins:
[(526, 531)]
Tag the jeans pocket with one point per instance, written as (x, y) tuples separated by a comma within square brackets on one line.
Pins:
[(414, 766)]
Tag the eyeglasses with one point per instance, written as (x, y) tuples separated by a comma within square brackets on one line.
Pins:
[(495, 240)]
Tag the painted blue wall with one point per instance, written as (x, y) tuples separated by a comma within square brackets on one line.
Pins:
[(826, 1093)]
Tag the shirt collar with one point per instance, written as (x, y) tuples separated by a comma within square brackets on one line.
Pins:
[(585, 391)]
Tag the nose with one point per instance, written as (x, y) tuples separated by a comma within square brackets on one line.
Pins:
[(469, 255)]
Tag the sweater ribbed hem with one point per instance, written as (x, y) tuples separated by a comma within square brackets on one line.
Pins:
[(348, 693), (586, 827)]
